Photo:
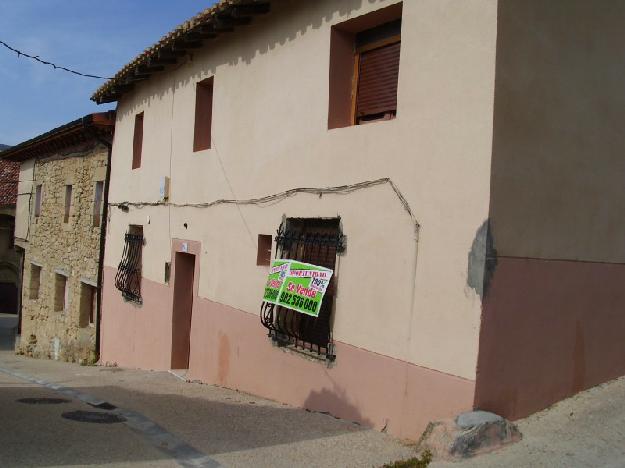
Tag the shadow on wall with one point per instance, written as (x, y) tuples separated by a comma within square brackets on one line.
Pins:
[(335, 403), (294, 18)]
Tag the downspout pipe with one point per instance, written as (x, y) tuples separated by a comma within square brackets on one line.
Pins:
[(87, 124)]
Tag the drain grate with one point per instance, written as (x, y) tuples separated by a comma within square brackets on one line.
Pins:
[(43, 401), (93, 417)]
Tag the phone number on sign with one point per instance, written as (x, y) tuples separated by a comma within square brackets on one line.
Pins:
[(298, 301)]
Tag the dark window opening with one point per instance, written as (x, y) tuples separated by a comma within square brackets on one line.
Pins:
[(97, 203), (88, 297), (35, 281), (38, 199), (128, 277), (137, 141), (68, 203), (364, 68), (203, 114), (263, 256), (315, 241)]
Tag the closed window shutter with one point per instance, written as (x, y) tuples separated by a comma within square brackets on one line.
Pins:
[(377, 81), (137, 143)]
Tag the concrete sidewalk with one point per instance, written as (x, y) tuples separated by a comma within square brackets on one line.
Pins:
[(586, 430), (231, 428)]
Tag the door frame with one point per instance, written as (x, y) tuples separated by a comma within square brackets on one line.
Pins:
[(192, 248)]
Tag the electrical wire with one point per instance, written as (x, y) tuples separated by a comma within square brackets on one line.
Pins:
[(320, 191), (53, 65)]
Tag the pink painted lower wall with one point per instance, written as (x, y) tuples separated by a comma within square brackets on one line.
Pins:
[(230, 347), (549, 330)]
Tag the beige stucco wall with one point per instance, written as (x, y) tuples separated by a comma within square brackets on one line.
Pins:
[(69, 248), (558, 166), (270, 134)]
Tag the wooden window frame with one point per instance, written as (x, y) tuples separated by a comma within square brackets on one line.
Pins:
[(358, 51)]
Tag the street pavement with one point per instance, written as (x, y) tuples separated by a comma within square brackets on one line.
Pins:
[(174, 423), (169, 422)]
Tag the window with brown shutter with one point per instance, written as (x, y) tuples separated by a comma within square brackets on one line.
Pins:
[(364, 68), (376, 97), (203, 114), (137, 142)]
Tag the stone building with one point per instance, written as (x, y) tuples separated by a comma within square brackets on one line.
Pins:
[(9, 258), (59, 221)]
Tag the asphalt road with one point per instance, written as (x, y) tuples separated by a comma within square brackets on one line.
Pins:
[(168, 422)]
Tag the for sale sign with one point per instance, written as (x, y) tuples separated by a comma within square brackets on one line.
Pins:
[(297, 286)]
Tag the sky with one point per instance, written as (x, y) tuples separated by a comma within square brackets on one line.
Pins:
[(91, 36)]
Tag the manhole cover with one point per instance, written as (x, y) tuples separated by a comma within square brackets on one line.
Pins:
[(93, 417), (43, 401)]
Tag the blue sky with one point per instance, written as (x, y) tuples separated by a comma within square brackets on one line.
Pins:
[(90, 36)]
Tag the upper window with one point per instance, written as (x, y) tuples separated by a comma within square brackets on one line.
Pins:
[(364, 68), (38, 195), (203, 114), (137, 141)]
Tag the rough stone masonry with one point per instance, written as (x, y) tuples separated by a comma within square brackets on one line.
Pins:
[(61, 256)]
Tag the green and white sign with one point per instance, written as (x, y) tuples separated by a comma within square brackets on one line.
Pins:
[(297, 286)]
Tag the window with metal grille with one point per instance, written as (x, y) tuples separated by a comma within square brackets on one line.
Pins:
[(128, 277), (315, 241)]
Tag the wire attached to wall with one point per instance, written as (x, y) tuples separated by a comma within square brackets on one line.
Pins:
[(320, 191), (53, 65)]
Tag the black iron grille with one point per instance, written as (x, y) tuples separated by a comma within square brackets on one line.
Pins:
[(315, 241), (128, 277)]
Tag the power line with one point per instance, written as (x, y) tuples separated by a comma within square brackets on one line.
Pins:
[(53, 65)]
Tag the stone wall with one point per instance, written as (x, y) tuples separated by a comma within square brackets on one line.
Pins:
[(57, 249)]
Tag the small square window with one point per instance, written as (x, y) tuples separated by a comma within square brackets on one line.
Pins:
[(61, 293), (35, 281), (263, 256)]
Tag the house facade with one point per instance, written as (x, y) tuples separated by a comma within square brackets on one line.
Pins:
[(9, 258), (381, 140), (58, 226)]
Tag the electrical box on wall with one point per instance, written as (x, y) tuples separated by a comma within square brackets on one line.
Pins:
[(164, 189)]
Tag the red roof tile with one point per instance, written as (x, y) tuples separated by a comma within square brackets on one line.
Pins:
[(9, 175)]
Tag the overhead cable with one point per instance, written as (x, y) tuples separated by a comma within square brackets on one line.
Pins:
[(53, 65)]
